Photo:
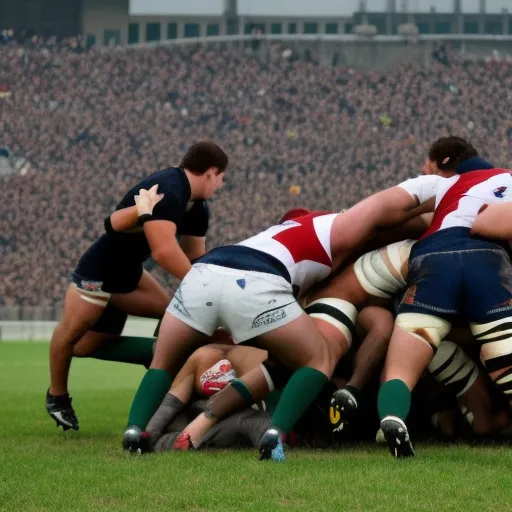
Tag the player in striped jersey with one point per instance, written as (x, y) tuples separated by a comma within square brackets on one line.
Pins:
[(451, 273)]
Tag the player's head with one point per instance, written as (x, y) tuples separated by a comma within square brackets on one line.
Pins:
[(293, 214), (446, 154), (207, 161)]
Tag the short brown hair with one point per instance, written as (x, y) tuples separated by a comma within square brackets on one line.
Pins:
[(203, 155), (449, 152)]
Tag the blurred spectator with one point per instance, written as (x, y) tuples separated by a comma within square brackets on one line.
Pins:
[(297, 134)]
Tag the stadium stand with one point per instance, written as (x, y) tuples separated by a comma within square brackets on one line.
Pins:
[(79, 127)]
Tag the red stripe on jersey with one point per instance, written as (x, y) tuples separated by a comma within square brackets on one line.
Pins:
[(302, 241), (450, 201)]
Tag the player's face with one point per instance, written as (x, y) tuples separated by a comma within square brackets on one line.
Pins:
[(430, 167), (215, 180)]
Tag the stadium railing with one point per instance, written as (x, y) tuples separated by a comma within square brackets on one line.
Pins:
[(41, 330)]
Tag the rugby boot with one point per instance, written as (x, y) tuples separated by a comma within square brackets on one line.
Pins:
[(271, 446), (61, 410), (397, 437), (342, 413), (135, 440)]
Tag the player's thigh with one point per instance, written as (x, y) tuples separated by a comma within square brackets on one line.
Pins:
[(149, 299), (344, 286), (298, 344), (107, 329), (175, 343), (245, 358), (81, 312), (488, 285), (435, 285)]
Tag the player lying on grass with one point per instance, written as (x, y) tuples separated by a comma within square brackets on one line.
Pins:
[(249, 287), (109, 281), (208, 370)]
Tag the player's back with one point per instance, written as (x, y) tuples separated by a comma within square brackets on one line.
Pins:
[(302, 244), (171, 182), (461, 198)]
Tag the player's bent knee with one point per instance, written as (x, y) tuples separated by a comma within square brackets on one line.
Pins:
[(452, 368), (337, 312), (428, 328)]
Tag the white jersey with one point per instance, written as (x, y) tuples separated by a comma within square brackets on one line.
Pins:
[(461, 198), (303, 245)]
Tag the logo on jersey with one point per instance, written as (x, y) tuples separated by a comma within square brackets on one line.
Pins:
[(500, 192), (241, 283), (270, 316)]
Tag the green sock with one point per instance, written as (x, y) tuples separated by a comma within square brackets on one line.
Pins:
[(299, 393), (149, 396), (127, 349), (394, 399)]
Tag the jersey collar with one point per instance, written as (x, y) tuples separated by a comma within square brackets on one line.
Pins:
[(474, 163)]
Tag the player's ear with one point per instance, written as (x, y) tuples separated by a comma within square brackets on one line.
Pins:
[(211, 172)]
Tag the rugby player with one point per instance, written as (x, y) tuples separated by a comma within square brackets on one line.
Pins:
[(207, 371), (451, 274), (251, 288), (109, 281), (375, 279)]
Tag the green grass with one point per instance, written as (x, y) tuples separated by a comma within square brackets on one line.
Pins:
[(42, 468)]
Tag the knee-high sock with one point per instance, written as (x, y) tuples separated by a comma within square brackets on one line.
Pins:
[(394, 399), (299, 393), (127, 349), (149, 396)]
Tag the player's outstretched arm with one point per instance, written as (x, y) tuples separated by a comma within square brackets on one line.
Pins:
[(382, 210), (494, 222)]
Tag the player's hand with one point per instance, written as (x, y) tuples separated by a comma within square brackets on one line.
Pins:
[(146, 200)]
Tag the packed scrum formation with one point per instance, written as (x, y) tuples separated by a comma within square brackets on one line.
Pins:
[(309, 330)]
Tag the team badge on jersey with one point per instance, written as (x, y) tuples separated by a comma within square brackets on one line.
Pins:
[(500, 192)]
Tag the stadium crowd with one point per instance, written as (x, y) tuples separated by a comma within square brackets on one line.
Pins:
[(297, 134)]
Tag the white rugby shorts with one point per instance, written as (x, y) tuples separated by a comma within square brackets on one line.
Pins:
[(245, 302)]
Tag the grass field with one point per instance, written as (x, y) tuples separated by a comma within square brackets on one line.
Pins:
[(42, 468)]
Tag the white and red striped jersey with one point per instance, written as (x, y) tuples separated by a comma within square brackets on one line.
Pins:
[(461, 198), (303, 245)]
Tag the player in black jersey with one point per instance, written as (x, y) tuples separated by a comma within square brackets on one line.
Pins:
[(109, 281)]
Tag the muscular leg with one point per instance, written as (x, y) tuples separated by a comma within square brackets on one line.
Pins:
[(175, 341), (183, 386), (78, 317), (149, 299)]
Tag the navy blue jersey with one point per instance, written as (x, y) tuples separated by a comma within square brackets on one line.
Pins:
[(190, 218), (115, 259)]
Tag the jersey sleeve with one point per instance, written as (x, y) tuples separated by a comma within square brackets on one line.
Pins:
[(195, 222), (422, 187)]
